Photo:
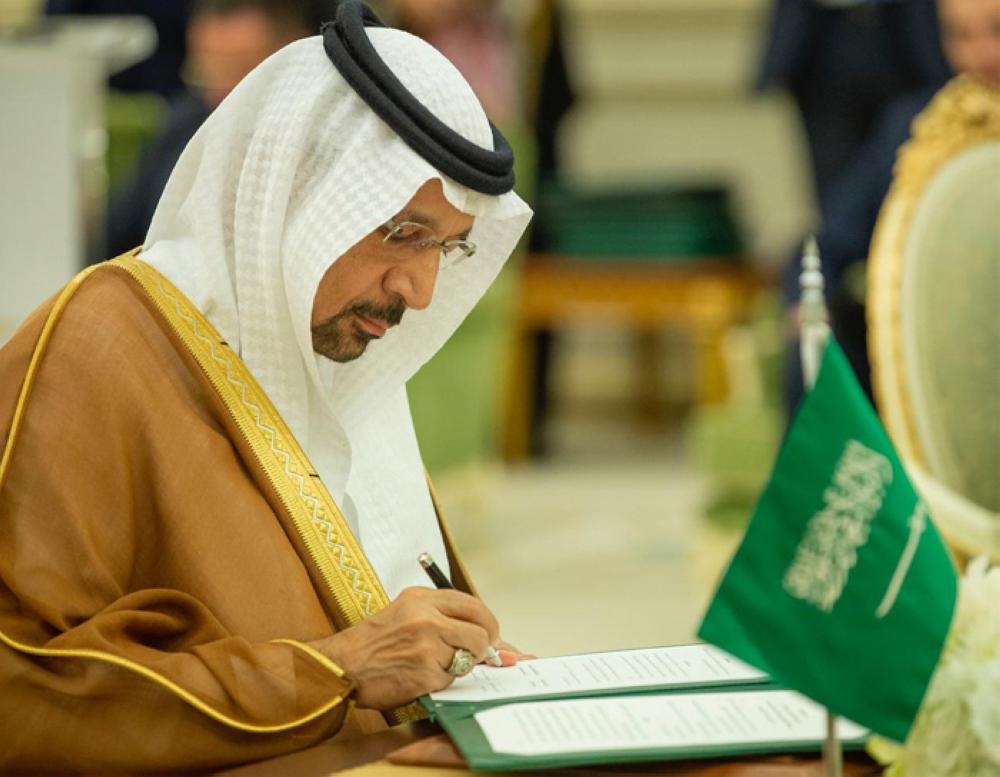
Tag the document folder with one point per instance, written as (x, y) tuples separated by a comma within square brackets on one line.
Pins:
[(652, 704)]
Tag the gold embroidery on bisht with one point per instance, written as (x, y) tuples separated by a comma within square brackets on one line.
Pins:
[(317, 518), (321, 525), (99, 655)]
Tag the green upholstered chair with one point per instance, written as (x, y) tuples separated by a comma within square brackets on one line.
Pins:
[(934, 286)]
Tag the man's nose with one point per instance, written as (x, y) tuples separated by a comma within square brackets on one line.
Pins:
[(414, 280)]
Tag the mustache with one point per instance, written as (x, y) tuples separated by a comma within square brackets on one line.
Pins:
[(391, 312)]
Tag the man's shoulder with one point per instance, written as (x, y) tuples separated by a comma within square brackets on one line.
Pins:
[(105, 323), (98, 344), (108, 303)]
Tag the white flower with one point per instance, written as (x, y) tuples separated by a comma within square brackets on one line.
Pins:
[(957, 731), (984, 710)]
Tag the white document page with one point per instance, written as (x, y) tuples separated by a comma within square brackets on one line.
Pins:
[(660, 721), (673, 666)]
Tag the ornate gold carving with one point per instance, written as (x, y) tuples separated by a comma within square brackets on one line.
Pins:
[(965, 112)]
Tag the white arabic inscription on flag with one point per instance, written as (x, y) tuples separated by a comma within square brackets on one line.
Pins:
[(829, 549)]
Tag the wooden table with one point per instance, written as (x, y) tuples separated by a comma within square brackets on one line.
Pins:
[(704, 296), (366, 757)]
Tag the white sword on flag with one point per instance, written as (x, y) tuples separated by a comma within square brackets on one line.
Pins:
[(814, 331)]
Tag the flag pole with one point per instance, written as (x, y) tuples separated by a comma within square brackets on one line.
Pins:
[(814, 326), (813, 333)]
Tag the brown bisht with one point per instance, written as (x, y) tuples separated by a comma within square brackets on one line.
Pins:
[(166, 551)]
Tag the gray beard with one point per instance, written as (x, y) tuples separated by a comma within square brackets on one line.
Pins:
[(340, 338)]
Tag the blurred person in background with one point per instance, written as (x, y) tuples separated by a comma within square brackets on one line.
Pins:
[(226, 39), (970, 37), (160, 72), (843, 61), (476, 38)]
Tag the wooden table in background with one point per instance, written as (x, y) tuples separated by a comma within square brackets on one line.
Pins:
[(704, 297)]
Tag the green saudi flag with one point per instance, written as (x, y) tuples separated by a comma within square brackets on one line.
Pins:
[(841, 588)]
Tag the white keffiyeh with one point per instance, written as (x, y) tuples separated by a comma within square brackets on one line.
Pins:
[(290, 171)]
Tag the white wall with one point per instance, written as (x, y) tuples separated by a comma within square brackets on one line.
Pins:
[(51, 102)]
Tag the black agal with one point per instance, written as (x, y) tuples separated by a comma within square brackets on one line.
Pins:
[(347, 46)]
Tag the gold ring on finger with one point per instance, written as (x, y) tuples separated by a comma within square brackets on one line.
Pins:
[(461, 662)]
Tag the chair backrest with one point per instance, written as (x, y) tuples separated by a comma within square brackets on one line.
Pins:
[(934, 312)]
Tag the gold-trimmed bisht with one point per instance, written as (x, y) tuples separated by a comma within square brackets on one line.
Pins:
[(319, 523)]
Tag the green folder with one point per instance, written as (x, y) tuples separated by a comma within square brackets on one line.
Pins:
[(670, 720)]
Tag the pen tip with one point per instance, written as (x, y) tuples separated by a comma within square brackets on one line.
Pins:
[(425, 560)]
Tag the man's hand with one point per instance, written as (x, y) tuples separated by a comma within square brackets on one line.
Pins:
[(404, 651)]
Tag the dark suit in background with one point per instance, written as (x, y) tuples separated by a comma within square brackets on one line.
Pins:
[(131, 207), (858, 72), (160, 72), (844, 64), (849, 213)]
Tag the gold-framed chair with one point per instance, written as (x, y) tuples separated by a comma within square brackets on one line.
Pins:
[(934, 313)]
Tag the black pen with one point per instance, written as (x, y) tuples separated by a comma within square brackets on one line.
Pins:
[(440, 580)]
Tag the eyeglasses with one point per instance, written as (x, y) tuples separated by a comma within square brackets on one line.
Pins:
[(409, 237)]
